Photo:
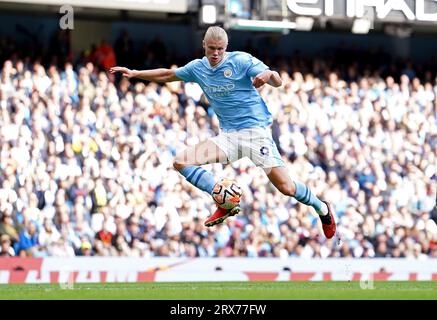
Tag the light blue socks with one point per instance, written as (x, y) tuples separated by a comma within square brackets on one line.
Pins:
[(199, 177), (304, 195)]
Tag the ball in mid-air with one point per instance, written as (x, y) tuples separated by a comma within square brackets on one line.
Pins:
[(227, 194)]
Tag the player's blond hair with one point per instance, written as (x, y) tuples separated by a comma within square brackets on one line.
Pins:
[(216, 33)]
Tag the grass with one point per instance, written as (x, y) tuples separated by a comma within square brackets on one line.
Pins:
[(332, 290)]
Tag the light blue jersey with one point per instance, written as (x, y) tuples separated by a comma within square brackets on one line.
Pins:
[(228, 87)]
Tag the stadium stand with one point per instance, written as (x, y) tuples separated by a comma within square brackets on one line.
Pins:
[(86, 159)]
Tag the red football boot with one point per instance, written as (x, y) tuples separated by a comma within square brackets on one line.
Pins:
[(221, 215), (328, 222)]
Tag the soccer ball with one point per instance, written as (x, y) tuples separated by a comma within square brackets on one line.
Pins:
[(226, 194)]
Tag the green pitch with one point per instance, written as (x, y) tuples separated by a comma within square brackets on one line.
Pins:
[(225, 290)]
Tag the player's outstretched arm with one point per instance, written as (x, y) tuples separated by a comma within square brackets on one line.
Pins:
[(154, 75), (267, 76)]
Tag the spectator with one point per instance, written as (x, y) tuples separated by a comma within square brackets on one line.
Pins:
[(6, 248), (124, 48), (86, 249), (27, 245), (105, 55), (7, 226)]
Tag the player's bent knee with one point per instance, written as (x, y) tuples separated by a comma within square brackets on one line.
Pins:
[(179, 164), (286, 189)]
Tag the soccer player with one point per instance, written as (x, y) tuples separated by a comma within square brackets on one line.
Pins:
[(229, 81)]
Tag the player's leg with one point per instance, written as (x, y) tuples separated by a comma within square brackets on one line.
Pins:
[(188, 163), (264, 153), (282, 181)]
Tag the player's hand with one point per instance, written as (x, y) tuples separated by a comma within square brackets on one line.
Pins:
[(124, 71), (261, 79)]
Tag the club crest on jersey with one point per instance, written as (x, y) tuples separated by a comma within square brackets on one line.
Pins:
[(227, 73)]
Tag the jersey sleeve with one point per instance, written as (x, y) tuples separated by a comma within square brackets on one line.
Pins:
[(255, 66), (186, 73)]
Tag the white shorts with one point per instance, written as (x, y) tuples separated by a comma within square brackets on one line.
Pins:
[(255, 143)]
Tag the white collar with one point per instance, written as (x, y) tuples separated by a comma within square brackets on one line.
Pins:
[(225, 56)]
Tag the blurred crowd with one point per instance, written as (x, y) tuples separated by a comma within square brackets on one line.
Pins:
[(86, 164)]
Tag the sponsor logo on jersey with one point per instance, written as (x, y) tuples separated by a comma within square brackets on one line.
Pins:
[(220, 91)]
